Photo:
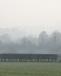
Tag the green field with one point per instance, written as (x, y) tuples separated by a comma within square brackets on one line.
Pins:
[(30, 69)]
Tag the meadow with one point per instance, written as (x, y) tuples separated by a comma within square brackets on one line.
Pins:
[(30, 69)]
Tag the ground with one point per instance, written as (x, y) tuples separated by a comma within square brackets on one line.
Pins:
[(30, 69)]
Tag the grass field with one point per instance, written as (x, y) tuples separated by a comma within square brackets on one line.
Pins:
[(30, 69)]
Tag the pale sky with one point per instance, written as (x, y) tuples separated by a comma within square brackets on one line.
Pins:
[(31, 16)]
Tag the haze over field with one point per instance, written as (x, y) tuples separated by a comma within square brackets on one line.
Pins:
[(33, 25)]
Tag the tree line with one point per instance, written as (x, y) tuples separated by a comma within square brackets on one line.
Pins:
[(44, 42)]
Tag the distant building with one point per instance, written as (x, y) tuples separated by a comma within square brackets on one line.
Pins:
[(28, 57)]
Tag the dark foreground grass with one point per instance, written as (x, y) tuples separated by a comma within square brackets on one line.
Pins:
[(30, 69)]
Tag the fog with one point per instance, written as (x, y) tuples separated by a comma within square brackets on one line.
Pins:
[(14, 42)]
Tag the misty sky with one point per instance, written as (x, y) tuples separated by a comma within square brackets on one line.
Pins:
[(31, 16)]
